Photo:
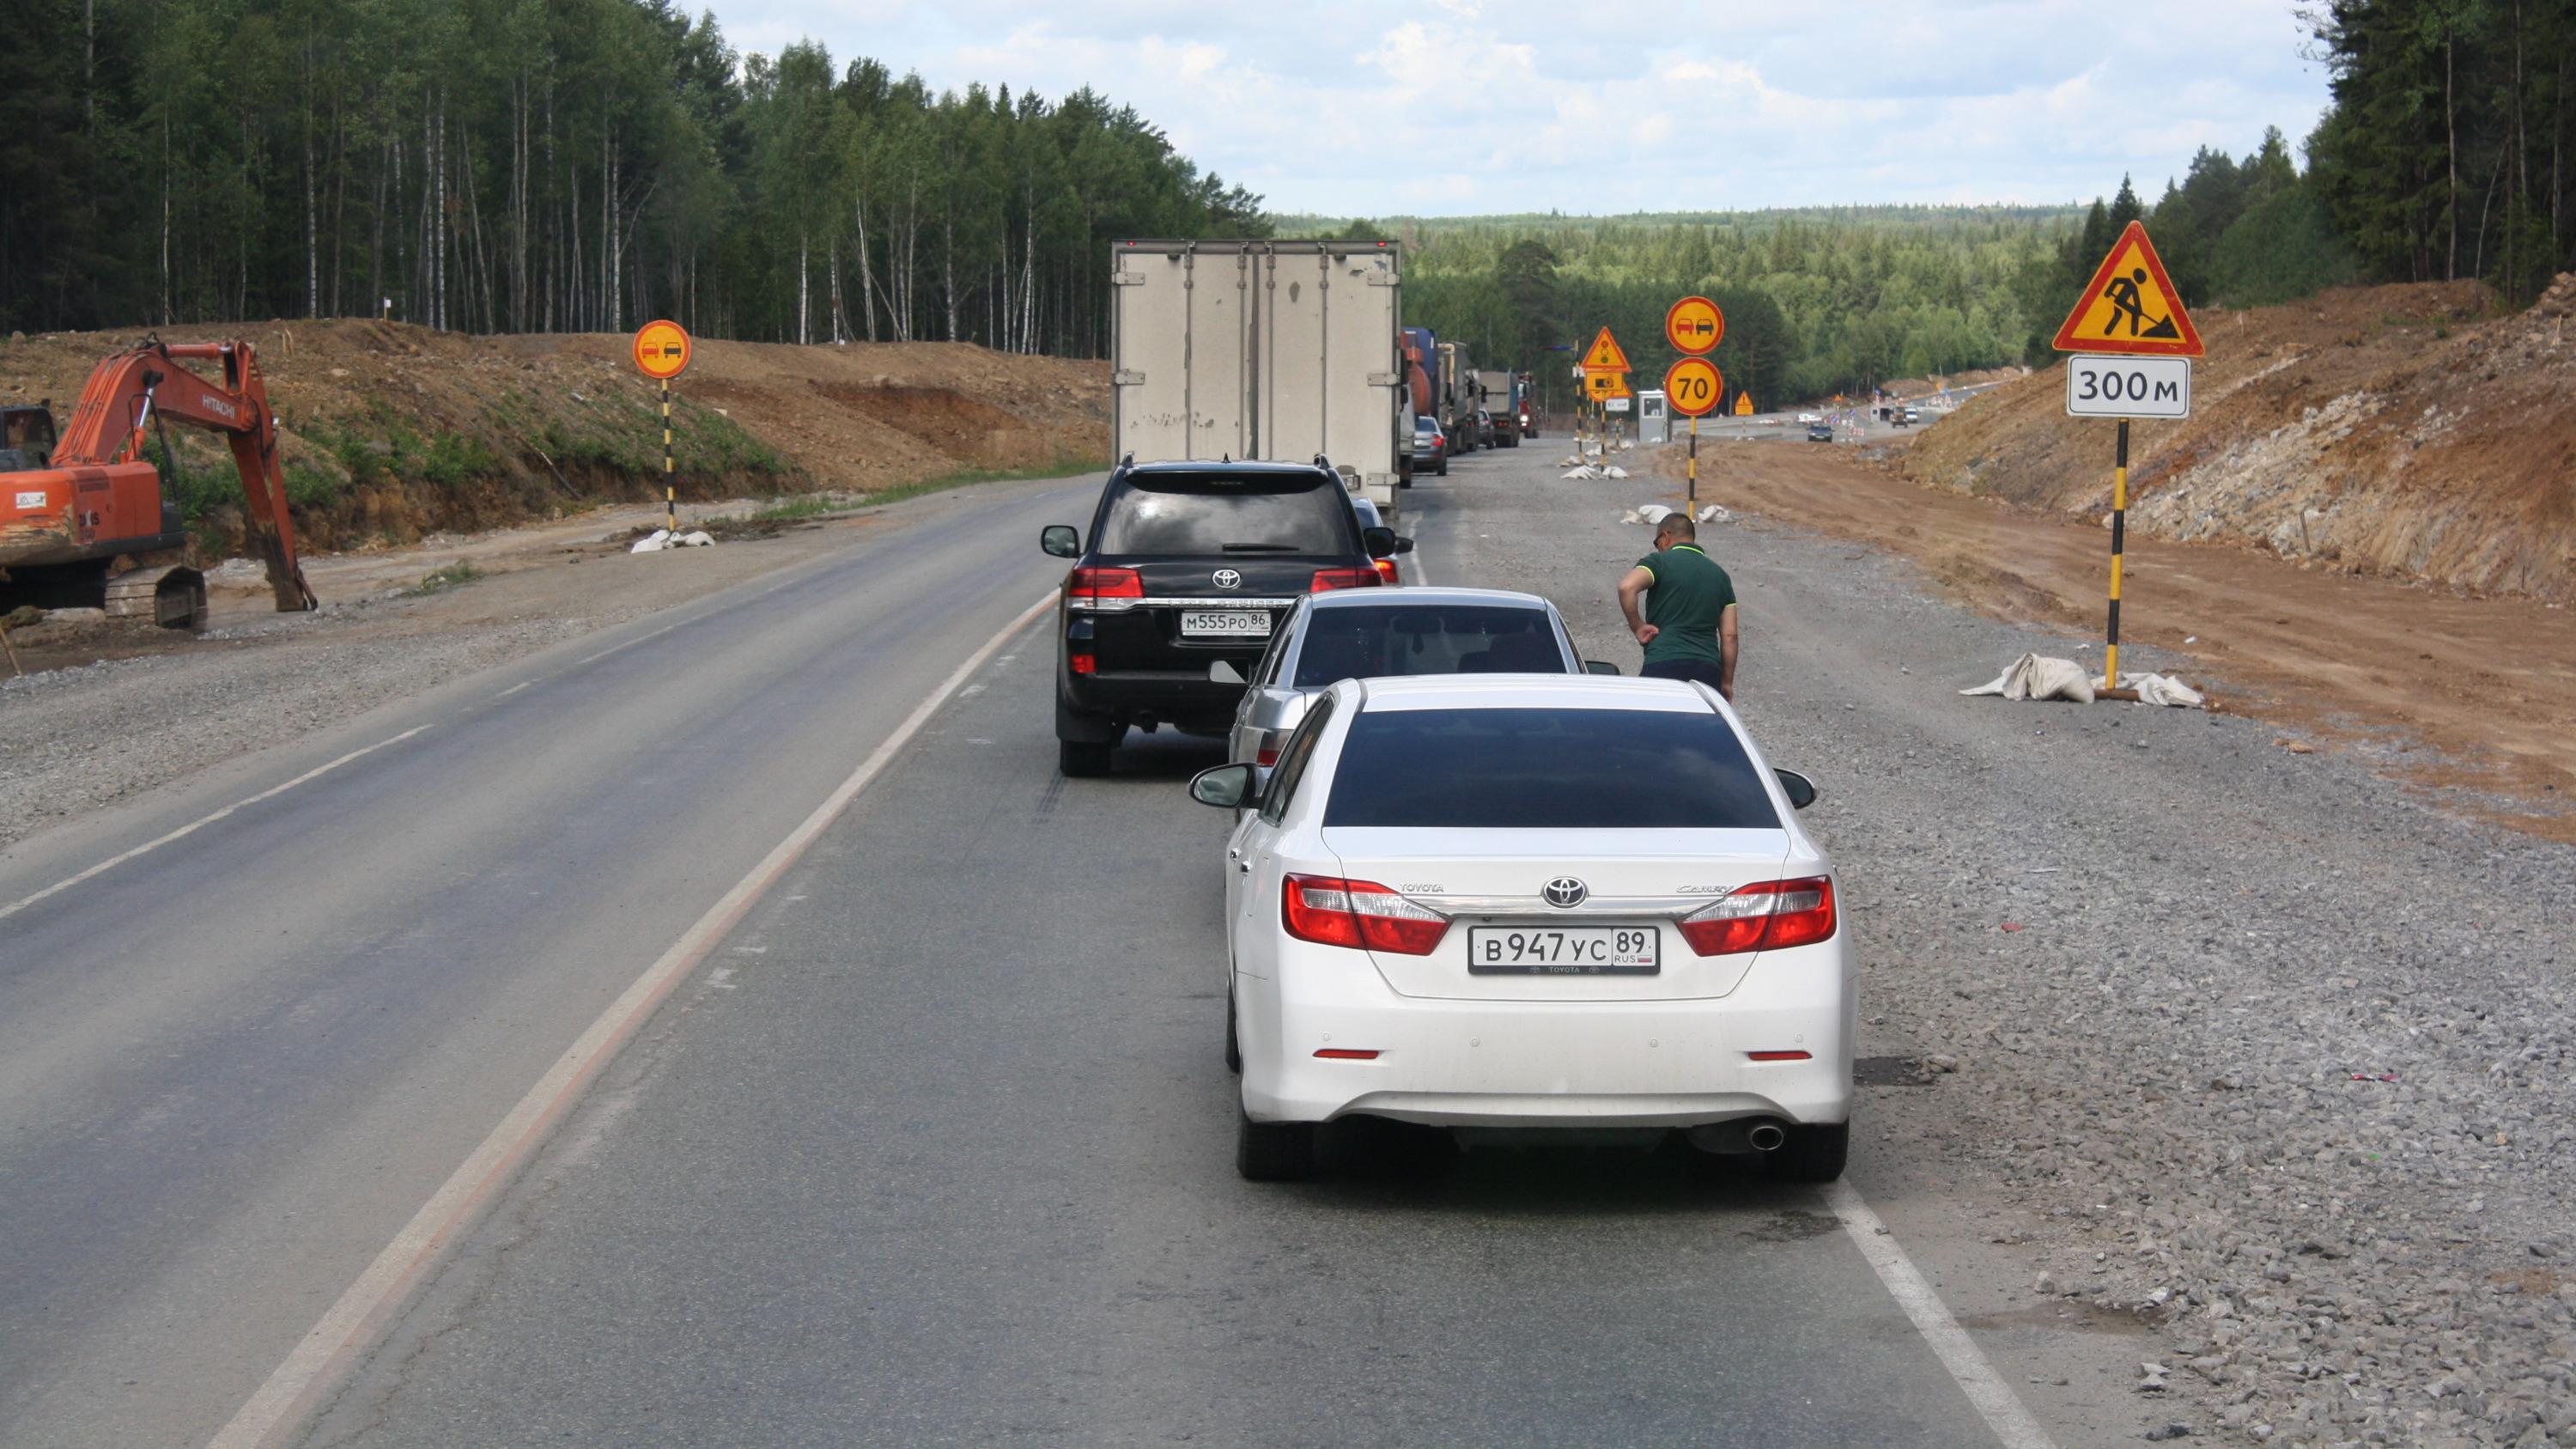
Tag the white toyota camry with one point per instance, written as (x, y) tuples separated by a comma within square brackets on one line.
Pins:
[(1513, 902)]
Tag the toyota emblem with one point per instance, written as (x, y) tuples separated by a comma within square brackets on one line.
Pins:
[(1565, 892), (1227, 579)]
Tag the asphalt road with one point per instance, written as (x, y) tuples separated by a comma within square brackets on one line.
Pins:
[(939, 1149), (234, 1065)]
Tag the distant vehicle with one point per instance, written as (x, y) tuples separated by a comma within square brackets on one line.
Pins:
[(1480, 901), (1912, 415), (1899, 417), (1811, 417), (1187, 564), (1430, 446), (1820, 432), (1485, 429), (1529, 417), (1500, 394), (1370, 518), (1328, 638)]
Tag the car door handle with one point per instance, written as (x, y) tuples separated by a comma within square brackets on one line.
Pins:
[(1244, 865)]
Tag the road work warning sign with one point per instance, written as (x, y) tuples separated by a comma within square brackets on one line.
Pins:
[(1605, 355), (2130, 308)]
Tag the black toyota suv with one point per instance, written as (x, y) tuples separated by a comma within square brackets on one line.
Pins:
[(1189, 564)]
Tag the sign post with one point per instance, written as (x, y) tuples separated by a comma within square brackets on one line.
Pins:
[(662, 353), (2135, 344), (1694, 326)]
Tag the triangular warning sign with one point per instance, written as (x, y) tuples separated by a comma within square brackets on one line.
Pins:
[(1605, 355), (2130, 307)]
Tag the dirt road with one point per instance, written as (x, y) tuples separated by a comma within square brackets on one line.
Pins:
[(2469, 696)]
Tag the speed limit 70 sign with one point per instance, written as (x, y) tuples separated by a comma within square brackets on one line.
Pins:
[(2128, 387)]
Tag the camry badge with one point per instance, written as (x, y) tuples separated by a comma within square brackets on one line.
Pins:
[(1565, 892), (1226, 579)]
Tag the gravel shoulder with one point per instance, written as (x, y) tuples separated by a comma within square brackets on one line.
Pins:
[(2252, 1048)]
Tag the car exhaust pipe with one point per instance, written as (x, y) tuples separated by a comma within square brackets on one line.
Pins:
[(1765, 1136)]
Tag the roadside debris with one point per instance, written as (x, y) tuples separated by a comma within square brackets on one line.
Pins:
[(1595, 470), (661, 538), (2035, 676), (2296, 747)]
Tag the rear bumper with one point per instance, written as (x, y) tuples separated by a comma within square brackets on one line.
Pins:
[(1178, 695), (1455, 1063)]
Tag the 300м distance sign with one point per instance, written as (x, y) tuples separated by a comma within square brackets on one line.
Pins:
[(2128, 387)]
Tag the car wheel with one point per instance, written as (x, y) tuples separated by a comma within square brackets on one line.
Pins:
[(1812, 1154), (1274, 1151), (1404, 482), (1233, 1043), (1080, 760), (1443, 469)]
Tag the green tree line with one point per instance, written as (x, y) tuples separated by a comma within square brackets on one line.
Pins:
[(1817, 301), (553, 165)]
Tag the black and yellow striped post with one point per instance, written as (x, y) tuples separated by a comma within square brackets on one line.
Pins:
[(2119, 531), (671, 495)]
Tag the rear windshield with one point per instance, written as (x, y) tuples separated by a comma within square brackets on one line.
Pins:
[(1186, 514), (1357, 643), (1547, 769)]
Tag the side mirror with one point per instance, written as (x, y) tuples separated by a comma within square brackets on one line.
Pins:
[(1599, 666), (1224, 672), (1226, 787), (1379, 541), (1060, 540), (1800, 790), (1404, 545)]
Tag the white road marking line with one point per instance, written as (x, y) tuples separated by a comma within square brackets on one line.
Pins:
[(332, 1346), (631, 643), (194, 826), (513, 689), (1986, 1389)]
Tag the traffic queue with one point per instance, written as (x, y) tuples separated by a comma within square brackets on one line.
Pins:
[(1473, 881)]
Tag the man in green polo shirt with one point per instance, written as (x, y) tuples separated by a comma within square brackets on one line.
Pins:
[(1687, 621)]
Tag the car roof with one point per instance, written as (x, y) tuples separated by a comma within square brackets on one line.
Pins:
[(1528, 691), (1419, 594)]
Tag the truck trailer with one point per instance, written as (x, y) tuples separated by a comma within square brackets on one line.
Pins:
[(1284, 351), (1501, 396)]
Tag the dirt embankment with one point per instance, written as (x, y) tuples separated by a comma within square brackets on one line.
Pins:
[(2380, 430), (392, 432)]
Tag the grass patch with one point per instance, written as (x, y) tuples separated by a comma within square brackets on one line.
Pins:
[(455, 575)]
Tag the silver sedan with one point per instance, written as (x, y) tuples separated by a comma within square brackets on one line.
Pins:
[(1372, 633)]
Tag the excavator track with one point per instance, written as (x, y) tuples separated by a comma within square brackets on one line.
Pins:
[(174, 597)]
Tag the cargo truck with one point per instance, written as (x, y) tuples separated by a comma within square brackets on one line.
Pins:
[(1283, 351), (1502, 398)]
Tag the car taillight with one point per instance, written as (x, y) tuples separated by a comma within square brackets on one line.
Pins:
[(1386, 570), (1104, 589), (1344, 579), (1086, 664), (1770, 915), (1362, 915)]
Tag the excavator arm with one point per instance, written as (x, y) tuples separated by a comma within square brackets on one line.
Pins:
[(126, 392)]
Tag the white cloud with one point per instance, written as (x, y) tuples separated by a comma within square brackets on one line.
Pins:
[(1501, 105)]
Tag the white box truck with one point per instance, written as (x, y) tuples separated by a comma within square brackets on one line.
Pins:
[(1500, 396), (1277, 350)]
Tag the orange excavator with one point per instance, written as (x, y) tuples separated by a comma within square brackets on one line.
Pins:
[(84, 521)]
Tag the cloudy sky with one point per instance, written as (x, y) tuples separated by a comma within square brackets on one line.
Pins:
[(1436, 107)]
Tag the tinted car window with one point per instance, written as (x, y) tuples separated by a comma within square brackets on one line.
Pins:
[(1357, 643), (1293, 761), (1579, 769), (1250, 514)]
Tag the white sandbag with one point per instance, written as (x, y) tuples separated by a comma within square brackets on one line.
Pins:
[(2162, 689), (2035, 677), (654, 542), (696, 538), (1715, 513)]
